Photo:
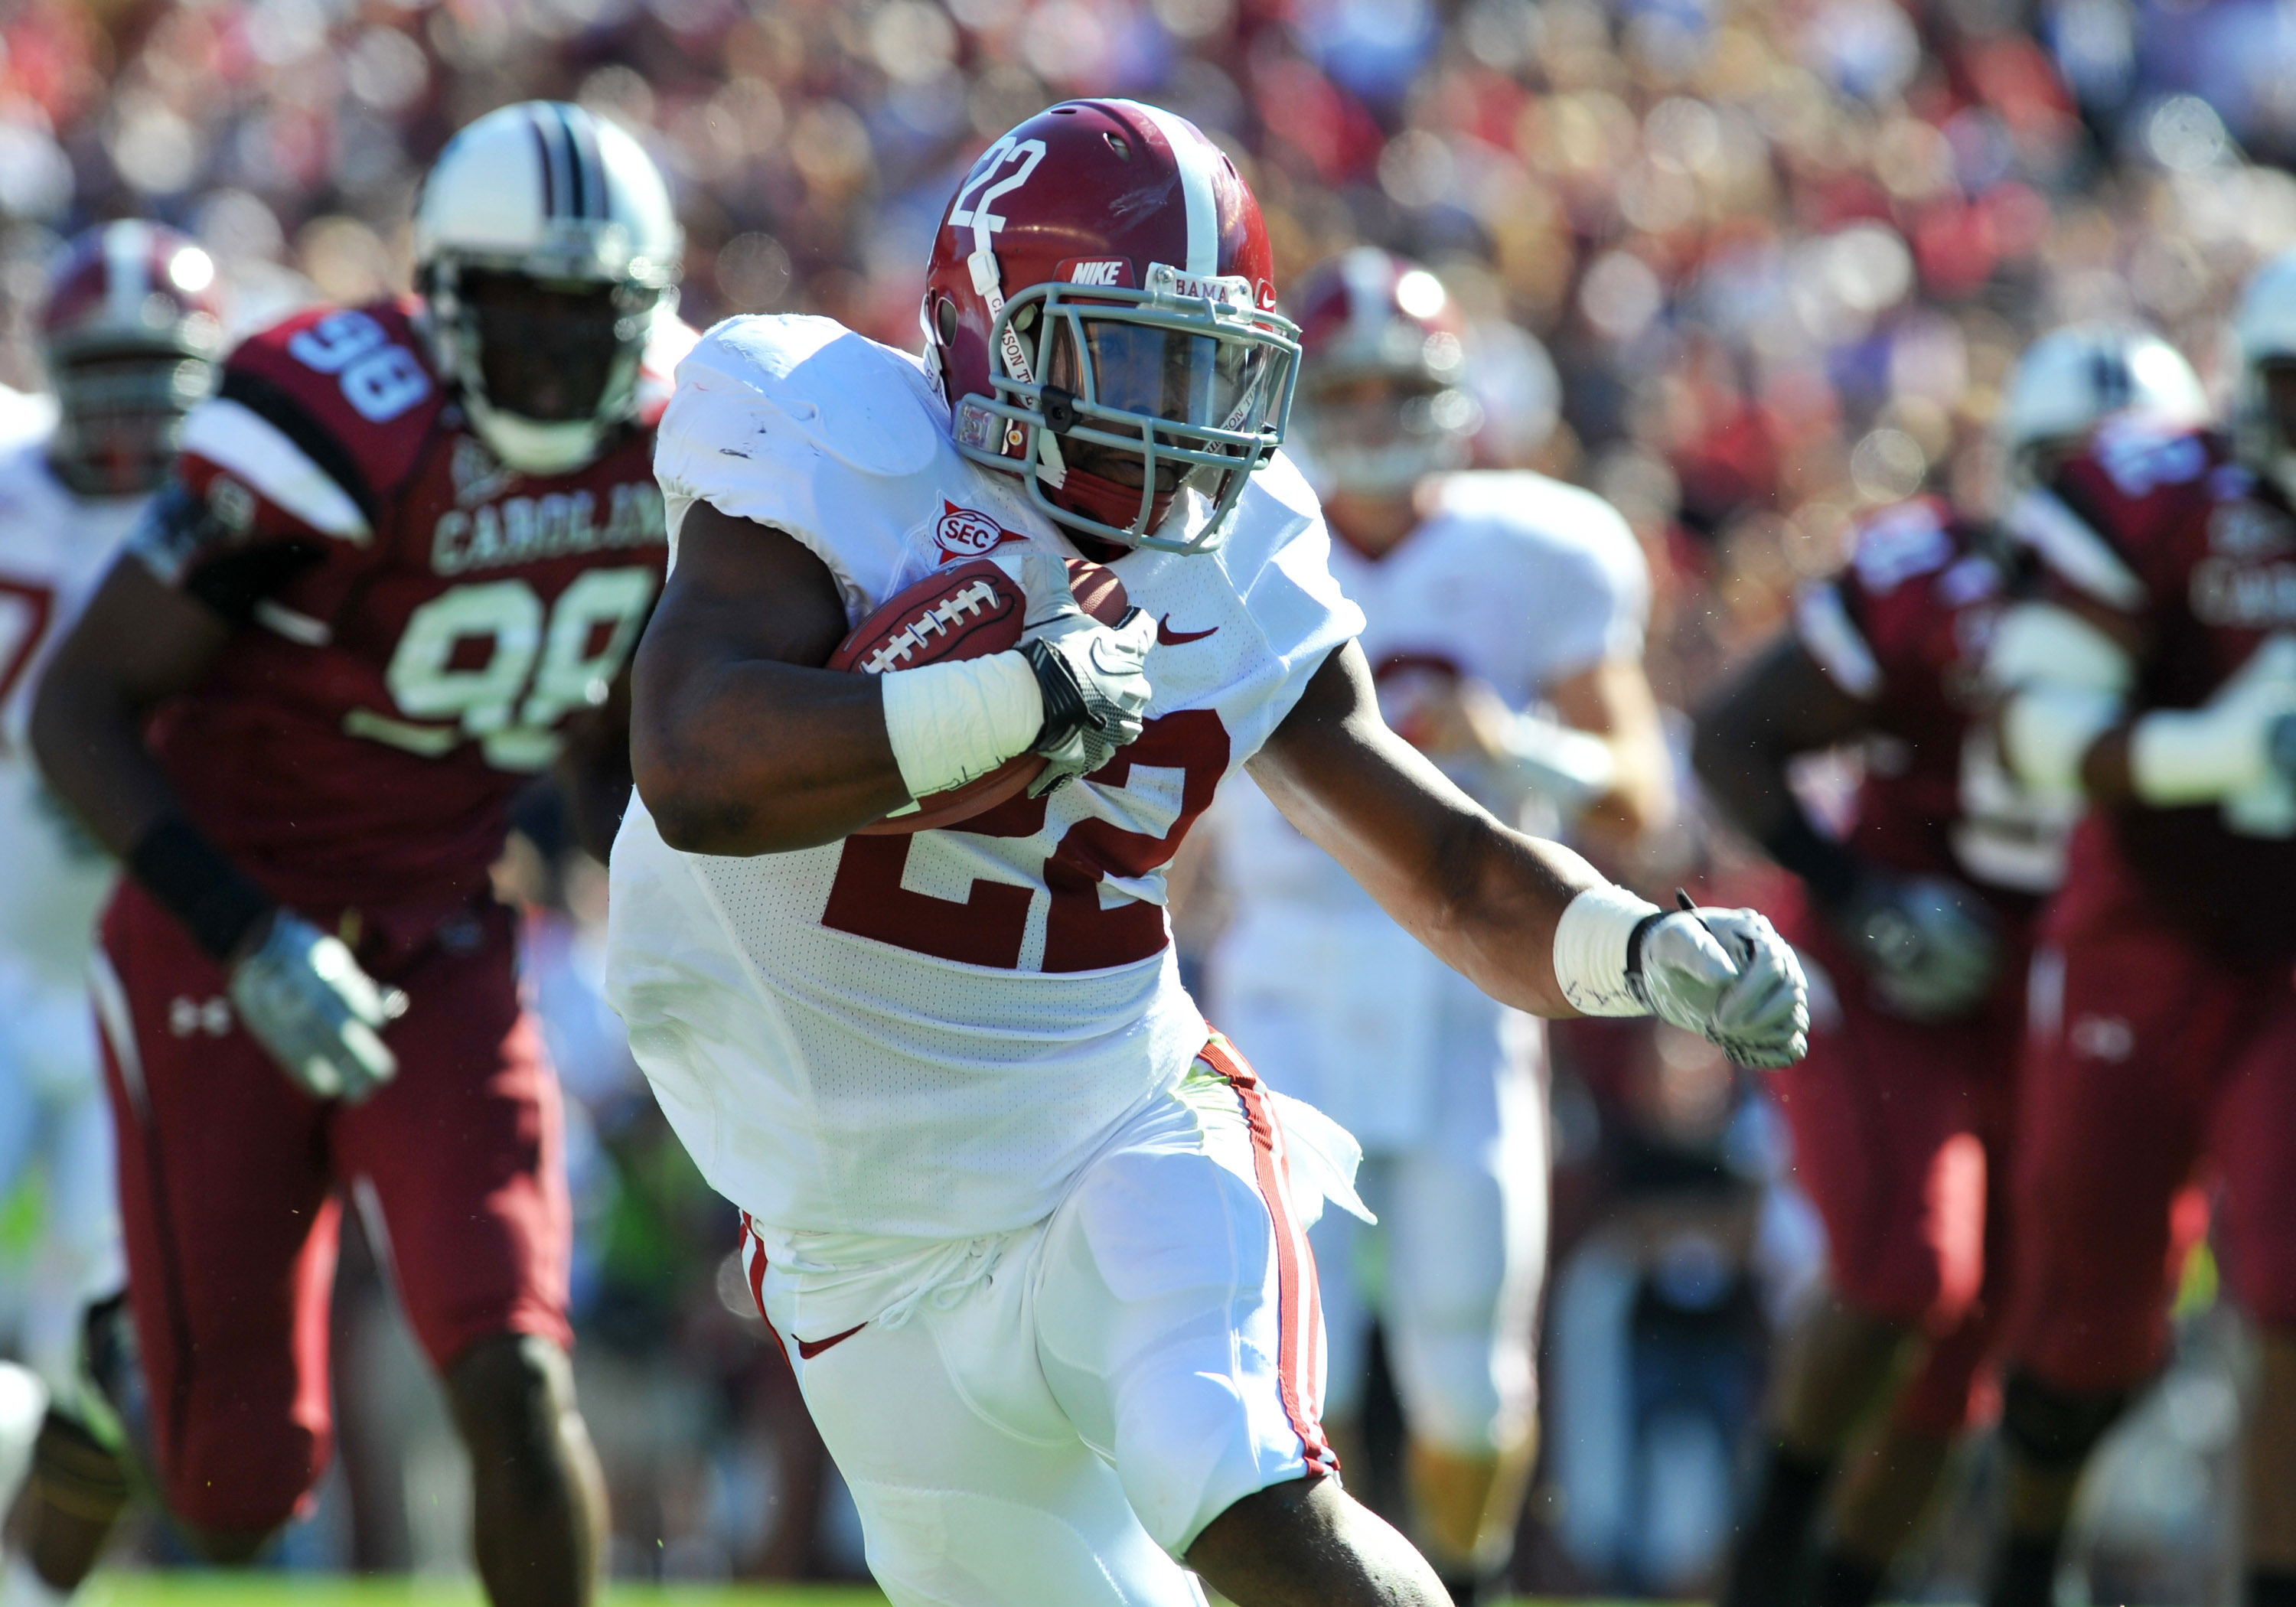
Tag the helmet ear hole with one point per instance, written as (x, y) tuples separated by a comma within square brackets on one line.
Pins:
[(1119, 144), (945, 321)]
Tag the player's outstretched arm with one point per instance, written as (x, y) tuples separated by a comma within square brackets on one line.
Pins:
[(740, 742), (1781, 705), (1526, 921)]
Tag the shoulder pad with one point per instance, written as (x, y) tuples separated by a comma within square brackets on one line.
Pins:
[(349, 392), (1534, 505), (866, 406)]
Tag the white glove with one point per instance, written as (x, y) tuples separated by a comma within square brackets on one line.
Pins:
[(1928, 943), (304, 998), (1094, 676), (1726, 975)]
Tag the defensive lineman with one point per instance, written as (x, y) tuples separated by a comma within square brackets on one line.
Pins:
[(1483, 596), (1915, 931), (130, 331), (2156, 678), (1033, 1236), (406, 553)]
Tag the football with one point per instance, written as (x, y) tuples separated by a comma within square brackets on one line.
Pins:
[(967, 612)]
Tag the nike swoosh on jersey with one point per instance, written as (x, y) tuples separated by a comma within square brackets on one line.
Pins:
[(1166, 636), (807, 1349)]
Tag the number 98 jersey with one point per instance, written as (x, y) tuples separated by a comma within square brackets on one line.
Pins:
[(417, 623)]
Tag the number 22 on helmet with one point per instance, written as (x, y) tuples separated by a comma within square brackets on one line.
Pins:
[(1100, 309)]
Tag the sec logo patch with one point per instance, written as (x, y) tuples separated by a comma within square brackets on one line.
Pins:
[(963, 533)]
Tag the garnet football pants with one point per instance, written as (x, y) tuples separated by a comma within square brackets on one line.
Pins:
[(230, 1184), (2144, 1056), (1901, 1139)]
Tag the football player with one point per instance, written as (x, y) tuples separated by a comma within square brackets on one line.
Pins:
[(406, 551), (1484, 595), (1033, 1235), (130, 332), (2156, 678), (1914, 930)]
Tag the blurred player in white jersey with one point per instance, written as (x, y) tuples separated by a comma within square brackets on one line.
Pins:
[(1490, 599), (1032, 1234), (130, 333)]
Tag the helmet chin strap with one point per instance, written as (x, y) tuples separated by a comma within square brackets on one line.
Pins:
[(1098, 498), (530, 445)]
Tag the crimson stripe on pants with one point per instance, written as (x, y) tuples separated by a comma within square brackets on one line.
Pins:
[(1299, 1310), (753, 1259)]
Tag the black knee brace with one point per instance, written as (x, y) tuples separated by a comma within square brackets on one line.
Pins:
[(2051, 1428)]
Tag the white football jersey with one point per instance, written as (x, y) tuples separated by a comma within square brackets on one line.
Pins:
[(55, 547), (928, 1035), (1516, 580)]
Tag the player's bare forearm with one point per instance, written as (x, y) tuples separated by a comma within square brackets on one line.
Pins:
[(137, 644), (1781, 705), (739, 742), (1485, 899)]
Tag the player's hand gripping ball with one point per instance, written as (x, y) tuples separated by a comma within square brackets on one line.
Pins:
[(304, 998), (1726, 975), (970, 611)]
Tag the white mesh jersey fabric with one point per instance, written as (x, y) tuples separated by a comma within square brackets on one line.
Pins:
[(55, 547), (928, 1035)]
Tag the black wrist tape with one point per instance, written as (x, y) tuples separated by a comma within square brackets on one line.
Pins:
[(1064, 709), (177, 865), (1826, 868)]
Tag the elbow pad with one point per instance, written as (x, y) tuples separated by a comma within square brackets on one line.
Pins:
[(2063, 684), (1573, 767)]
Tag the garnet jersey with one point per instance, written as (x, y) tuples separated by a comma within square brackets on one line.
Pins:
[(1903, 630), (2163, 529), (54, 547), (419, 621), (928, 1035)]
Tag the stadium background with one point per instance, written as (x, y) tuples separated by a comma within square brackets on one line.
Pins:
[(1776, 257)]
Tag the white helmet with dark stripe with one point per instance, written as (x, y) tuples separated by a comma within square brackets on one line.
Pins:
[(546, 247), (2071, 379)]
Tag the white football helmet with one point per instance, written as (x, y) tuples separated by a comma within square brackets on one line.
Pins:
[(2071, 379), (2264, 330), (545, 249)]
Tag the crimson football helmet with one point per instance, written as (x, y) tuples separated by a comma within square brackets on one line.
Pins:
[(131, 332), (1100, 308), (1382, 382)]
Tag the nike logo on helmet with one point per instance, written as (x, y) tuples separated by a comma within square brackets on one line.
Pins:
[(807, 1349), (1166, 636)]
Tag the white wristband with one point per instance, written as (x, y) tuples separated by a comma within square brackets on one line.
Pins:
[(2191, 756), (1590, 950), (951, 722)]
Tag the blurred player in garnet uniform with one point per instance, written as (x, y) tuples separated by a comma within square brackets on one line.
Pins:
[(1484, 595), (1034, 1235), (130, 332), (407, 551), (2156, 678), (1915, 931)]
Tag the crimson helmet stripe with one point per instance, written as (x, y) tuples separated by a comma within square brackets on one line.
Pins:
[(1198, 162)]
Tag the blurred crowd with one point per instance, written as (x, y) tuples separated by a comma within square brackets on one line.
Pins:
[(1745, 266)]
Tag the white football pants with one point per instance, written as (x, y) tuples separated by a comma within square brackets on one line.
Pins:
[(1049, 1418)]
